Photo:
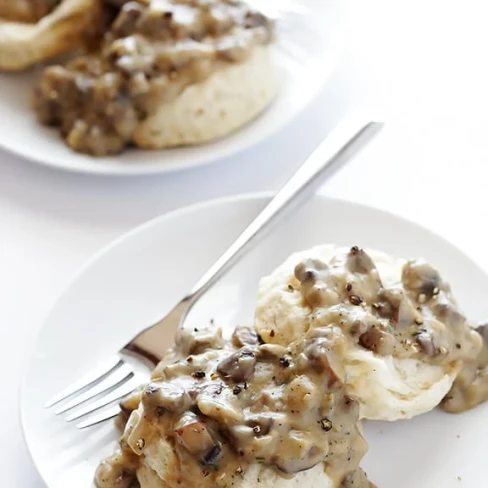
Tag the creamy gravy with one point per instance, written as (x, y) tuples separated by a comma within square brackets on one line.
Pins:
[(416, 318), (152, 51), (471, 385), (227, 405)]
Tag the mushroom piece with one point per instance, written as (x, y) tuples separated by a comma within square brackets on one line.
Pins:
[(239, 366), (265, 421), (198, 341), (271, 351), (396, 305), (191, 432), (318, 352), (358, 261), (244, 336), (378, 341), (428, 343), (301, 454), (421, 277), (166, 395)]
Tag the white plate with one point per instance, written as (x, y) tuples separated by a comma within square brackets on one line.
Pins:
[(310, 39), (136, 279)]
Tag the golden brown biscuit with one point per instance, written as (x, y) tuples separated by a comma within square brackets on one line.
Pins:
[(64, 29)]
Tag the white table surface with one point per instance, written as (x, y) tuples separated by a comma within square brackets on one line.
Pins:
[(424, 63)]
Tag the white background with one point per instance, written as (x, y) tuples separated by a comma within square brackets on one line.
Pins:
[(423, 62)]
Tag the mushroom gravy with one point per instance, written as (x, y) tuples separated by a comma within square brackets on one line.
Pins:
[(227, 405), (417, 318), (224, 406), (151, 53), (471, 385)]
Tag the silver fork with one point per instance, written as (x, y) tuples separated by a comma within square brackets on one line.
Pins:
[(94, 397)]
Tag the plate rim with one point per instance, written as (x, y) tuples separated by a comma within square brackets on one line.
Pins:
[(263, 196)]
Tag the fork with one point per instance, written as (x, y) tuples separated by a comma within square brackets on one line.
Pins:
[(95, 396)]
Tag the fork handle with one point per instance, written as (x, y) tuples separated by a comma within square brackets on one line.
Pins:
[(345, 141)]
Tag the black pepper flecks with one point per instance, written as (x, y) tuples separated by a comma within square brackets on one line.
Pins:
[(355, 300), (326, 424), (285, 362), (140, 443)]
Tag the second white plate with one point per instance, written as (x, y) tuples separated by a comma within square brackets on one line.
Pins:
[(136, 280), (311, 36)]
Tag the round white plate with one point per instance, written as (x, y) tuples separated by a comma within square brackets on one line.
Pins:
[(136, 280), (310, 39)]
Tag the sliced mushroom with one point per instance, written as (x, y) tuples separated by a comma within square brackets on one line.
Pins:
[(378, 341), (171, 396), (298, 454), (211, 458), (223, 408), (358, 327), (265, 420), (398, 307), (319, 354), (198, 341), (191, 432), (421, 277), (271, 351), (428, 343), (244, 336), (358, 261), (239, 366)]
